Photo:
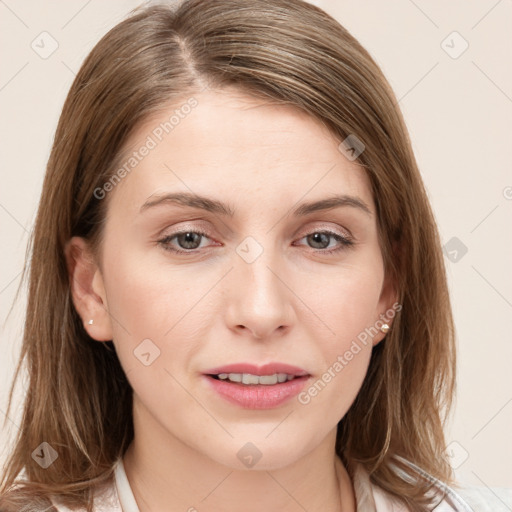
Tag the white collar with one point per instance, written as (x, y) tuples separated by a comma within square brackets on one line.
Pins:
[(124, 491)]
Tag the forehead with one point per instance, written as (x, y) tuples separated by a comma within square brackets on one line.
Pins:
[(228, 143)]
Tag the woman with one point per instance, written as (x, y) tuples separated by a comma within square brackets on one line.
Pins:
[(237, 295)]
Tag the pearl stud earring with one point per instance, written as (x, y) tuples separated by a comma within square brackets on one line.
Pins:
[(385, 328), (91, 321)]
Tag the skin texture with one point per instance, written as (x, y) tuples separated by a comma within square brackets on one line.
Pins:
[(295, 303)]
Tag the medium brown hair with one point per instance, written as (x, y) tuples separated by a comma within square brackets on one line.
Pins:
[(285, 51)]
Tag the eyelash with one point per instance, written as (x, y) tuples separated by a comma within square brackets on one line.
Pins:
[(345, 242)]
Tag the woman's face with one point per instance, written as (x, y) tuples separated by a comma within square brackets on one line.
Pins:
[(265, 275)]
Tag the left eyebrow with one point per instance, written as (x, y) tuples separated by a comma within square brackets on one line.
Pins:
[(331, 203), (218, 207)]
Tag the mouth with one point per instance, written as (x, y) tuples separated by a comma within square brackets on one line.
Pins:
[(254, 387), (250, 379)]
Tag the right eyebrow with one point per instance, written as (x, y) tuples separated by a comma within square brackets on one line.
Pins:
[(190, 200)]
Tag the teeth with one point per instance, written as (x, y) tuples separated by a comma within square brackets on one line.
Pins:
[(248, 378)]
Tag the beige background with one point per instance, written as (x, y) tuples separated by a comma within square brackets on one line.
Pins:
[(458, 107)]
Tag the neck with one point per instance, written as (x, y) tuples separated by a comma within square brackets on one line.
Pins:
[(166, 474)]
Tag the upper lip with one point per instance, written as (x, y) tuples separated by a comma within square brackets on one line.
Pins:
[(266, 369)]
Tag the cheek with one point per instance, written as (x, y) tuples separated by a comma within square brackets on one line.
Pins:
[(346, 302), (156, 328), (349, 308), (148, 298), (160, 318)]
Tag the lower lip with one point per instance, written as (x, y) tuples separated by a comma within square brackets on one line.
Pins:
[(257, 396)]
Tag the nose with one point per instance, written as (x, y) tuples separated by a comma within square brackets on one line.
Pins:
[(259, 301)]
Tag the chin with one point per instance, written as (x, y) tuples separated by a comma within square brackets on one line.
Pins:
[(259, 454)]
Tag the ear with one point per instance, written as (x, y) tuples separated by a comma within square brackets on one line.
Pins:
[(87, 289), (388, 307)]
